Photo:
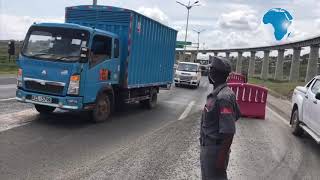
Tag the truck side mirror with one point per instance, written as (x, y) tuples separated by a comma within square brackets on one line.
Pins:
[(318, 96), (84, 52)]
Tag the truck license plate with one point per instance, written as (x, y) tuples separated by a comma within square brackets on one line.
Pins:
[(42, 99)]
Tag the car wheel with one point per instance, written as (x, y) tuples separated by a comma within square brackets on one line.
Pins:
[(295, 128), (177, 85), (44, 109), (102, 109)]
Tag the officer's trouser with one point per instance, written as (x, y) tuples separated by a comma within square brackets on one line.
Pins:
[(208, 160)]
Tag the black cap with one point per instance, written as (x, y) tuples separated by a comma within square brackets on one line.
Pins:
[(221, 64)]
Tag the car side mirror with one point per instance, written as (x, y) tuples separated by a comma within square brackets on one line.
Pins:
[(84, 52), (318, 96)]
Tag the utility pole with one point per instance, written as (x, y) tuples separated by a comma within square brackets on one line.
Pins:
[(94, 2), (188, 9), (198, 38)]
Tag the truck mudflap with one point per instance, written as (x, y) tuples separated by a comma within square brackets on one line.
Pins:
[(66, 102)]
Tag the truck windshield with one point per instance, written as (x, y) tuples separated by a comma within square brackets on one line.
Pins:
[(187, 67), (52, 43)]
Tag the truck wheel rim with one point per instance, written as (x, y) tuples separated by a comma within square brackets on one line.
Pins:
[(294, 120), (102, 108)]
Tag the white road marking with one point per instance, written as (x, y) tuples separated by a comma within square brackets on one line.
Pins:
[(286, 122), (186, 111), (8, 86), (17, 119), (8, 99), (180, 103)]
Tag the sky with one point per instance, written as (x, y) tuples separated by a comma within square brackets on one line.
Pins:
[(227, 23)]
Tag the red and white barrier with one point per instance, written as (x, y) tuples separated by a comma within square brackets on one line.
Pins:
[(236, 78), (252, 99)]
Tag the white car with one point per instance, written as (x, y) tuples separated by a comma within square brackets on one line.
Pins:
[(305, 114), (187, 73)]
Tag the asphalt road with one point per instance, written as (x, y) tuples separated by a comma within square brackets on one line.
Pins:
[(145, 144)]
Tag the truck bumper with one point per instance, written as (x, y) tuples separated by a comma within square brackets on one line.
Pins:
[(67, 102)]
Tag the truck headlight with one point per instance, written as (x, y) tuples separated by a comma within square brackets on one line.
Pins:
[(74, 85), (194, 78), (19, 78)]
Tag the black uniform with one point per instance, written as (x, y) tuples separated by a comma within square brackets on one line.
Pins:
[(217, 129)]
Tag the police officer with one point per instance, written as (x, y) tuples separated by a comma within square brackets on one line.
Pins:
[(218, 122)]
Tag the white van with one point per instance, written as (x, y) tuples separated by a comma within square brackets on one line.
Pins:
[(187, 73)]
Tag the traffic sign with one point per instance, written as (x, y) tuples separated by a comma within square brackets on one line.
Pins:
[(183, 43), (179, 46)]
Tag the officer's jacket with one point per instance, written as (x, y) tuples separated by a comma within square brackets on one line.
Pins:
[(219, 114)]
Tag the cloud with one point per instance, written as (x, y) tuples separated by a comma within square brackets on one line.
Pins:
[(239, 20), (318, 23), (16, 27), (154, 13)]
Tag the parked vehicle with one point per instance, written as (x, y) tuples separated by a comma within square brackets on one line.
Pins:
[(100, 58), (204, 70), (306, 109), (188, 73)]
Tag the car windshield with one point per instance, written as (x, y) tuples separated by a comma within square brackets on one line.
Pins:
[(187, 67), (53, 43)]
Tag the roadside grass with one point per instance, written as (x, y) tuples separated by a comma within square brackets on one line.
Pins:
[(6, 67), (283, 88)]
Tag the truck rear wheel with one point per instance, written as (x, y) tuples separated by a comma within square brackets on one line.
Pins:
[(44, 109), (102, 110), (295, 128), (152, 102)]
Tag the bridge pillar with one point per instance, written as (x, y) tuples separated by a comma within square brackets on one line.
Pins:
[(227, 55), (295, 65), (279, 66), (239, 63), (252, 64), (312, 69), (265, 65), (215, 53)]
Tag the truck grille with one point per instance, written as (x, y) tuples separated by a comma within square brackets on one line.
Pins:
[(185, 78), (46, 88)]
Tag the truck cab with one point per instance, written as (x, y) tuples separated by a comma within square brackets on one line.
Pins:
[(66, 65), (188, 73), (305, 109)]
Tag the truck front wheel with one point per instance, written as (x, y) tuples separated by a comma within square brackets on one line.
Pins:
[(102, 109), (44, 109), (295, 128)]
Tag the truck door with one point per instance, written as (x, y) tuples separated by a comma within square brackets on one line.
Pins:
[(104, 65), (310, 106)]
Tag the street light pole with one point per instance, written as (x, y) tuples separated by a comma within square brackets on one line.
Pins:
[(198, 38), (185, 38), (188, 9)]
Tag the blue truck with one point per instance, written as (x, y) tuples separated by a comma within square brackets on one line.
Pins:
[(99, 59)]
